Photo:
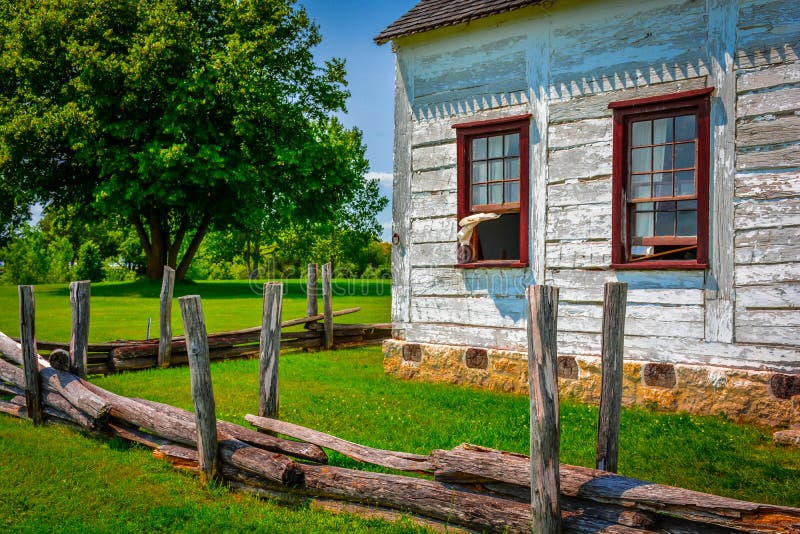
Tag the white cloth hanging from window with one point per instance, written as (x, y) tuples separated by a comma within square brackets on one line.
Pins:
[(469, 223)]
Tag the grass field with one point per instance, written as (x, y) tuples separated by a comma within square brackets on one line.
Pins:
[(52, 478), (120, 310)]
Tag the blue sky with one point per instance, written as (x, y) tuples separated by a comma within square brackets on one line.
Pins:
[(348, 27)]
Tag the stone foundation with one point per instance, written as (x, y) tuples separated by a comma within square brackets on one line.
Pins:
[(759, 397)]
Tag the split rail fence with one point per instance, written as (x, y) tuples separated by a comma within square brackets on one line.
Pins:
[(116, 356), (469, 486)]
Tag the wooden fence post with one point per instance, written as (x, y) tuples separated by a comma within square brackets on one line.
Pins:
[(30, 365), (79, 296), (327, 304), (312, 307), (202, 393), (545, 434), (165, 312), (269, 349), (611, 387)]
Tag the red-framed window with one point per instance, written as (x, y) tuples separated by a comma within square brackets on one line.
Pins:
[(660, 181), (493, 178)]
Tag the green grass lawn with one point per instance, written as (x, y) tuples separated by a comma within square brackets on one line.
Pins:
[(52, 476), (120, 310)]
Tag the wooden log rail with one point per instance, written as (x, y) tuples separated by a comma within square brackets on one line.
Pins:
[(117, 356), (473, 487)]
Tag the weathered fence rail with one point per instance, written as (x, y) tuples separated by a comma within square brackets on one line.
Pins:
[(471, 486)]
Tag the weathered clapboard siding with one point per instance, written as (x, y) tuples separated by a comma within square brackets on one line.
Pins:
[(784, 157), (768, 130), (765, 77), (768, 32), (596, 106), (773, 100), (747, 275), (592, 221), (578, 133), (451, 281), (435, 230), (434, 204), (769, 245), (580, 254), (432, 255), (433, 157), (470, 336), (580, 192), (610, 44), (752, 214), (584, 161), (766, 186), (777, 295), (640, 320), (440, 129), (501, 64), (436, 180), (503, 312), (564, 69)]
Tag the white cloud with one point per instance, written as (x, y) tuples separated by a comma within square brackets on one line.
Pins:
[(385, 178)]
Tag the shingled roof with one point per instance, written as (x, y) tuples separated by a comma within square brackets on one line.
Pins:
[(431, 14)]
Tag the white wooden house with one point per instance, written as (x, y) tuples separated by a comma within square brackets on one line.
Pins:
[(655, 143)]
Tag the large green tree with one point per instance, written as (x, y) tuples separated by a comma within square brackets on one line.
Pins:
[(177, 115)]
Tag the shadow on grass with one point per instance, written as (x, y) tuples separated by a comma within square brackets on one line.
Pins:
[(228, 289)]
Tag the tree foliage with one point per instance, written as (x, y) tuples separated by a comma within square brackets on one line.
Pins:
[(176, 116)]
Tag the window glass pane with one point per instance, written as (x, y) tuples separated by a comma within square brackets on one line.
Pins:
[(478, 194), (641, 133), (687, 223), (512, 145), (643, 224), (640, 159), (662, 131), (665, 223), (640, 186), (687, 205), (685, 128), (512, 191), (478, 172), (684, 183), (495, 169), (662, 184), (684, 155), (645, 206), (496, 193), (662, 158), (479, 148), (665, 206), (512, 168), (496, 146)]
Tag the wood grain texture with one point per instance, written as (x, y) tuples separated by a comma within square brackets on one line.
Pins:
[(768, 130), (165, 317), (30, 364), (612, 352), (269, 350), (297, 449), (79, 296), (471, 464), (544, 421), (721, 45), (401, 461), (202, 392), (327, 305), (769, 185), (312, 306), (765, 77)]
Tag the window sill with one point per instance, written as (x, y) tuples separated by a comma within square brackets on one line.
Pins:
[(662, 265), (491, 264)]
